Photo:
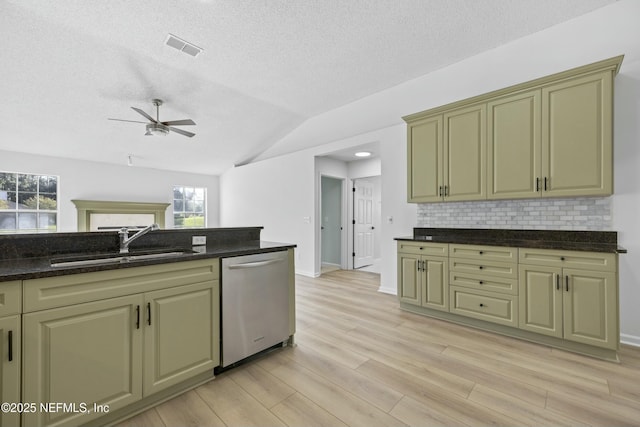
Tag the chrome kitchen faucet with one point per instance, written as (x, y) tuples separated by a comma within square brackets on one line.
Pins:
[(125, 240)]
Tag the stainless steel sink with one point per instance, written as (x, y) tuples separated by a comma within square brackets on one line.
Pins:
[(103, 259)]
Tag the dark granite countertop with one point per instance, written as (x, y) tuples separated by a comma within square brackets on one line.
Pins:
[(591, 241), (28, 256), (37, 267)]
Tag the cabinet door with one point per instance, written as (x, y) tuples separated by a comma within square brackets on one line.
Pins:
[(181, 336), (577, 136), (424, 165), (82, 354), (465, 157), (10, 367), (435, 288), (591, 308), (514, 147), (409, 278), (540, 300)]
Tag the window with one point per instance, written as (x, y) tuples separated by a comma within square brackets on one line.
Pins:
[(189, 207), (28, 202)]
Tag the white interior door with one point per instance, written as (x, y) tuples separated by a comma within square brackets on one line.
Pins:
[(363, 228)]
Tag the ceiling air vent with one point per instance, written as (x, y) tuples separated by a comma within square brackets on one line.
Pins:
[(183, 45)]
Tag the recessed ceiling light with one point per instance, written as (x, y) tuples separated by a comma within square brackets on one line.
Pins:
[(363, 154)]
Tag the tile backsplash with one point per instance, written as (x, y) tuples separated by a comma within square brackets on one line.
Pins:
[(579, 213)]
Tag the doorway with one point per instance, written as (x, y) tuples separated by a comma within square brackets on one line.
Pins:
[(331, 227)]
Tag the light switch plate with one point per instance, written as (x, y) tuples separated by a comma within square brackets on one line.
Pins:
[(198, 240)]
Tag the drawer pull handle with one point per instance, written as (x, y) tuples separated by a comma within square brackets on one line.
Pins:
[(561, 258), (421, 248), (481, 252), (482, 305), (481, 282), (481, 267)]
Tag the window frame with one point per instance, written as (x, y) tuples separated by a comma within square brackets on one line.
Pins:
[(189, 213), (38, 211)]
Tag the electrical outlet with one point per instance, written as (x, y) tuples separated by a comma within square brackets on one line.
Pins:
[(198, 240)]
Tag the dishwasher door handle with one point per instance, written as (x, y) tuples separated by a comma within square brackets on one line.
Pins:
[(254, 264)]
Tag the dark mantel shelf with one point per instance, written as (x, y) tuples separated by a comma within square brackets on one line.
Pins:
[(591, 241)]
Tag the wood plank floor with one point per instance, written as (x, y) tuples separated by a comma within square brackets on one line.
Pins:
[(361, 361)]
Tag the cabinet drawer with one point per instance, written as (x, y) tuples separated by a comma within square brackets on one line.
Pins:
[(503, 285), (569, 259), (60, 291), (489, 306), (491, 253), (419, 248), (492, 268), (10, 298)]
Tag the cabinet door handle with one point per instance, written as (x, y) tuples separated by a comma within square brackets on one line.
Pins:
[(545, 183), (138, 317), (557, 282), (10, 334), (149, 313), (440, 191), (446, 191), (566, 282), (538, 184)]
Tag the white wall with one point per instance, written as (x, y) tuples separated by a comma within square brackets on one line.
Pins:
[(278, 195), (101, 181), (607, 32)]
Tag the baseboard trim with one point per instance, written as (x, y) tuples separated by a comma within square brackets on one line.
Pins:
[(630, 340), (307, 273), (386, 290)]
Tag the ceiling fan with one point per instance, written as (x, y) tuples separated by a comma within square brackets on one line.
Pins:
[(156, 127)]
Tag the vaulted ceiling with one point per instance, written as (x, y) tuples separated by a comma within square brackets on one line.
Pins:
[(68, 65)]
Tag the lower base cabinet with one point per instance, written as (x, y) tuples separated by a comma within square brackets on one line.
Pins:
[(10, 368), (570, 296), (573, 304), (90, 359)]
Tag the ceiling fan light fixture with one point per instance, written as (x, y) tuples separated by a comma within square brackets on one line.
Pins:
[(157, 129)]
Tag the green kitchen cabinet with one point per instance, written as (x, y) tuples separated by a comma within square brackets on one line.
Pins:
[(576, 304), (10, 349), (158, 328), (423, 280), (550, 137), (424, 156), (577, 132), (181, 334), (514, 147), (86, 353), (446, 156)]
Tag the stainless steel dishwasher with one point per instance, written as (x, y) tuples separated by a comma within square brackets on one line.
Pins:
[(254, 304)]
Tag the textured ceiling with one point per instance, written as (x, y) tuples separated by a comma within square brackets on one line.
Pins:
[(267, 66)]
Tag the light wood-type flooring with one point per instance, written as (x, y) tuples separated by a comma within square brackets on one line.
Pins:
[(361, 361)]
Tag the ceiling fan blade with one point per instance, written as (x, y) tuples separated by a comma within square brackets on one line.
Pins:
[(181, 132), (139, 111), (122, 120), (184, 122)]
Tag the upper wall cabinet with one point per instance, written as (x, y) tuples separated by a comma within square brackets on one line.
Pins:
[(446, 155), (551, 137)]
